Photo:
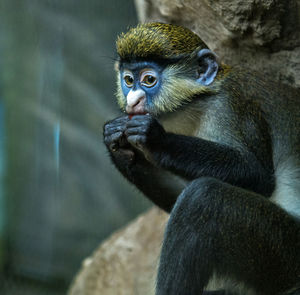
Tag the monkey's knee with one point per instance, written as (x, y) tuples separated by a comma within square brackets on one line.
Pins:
[(200, 187), (198, 196)]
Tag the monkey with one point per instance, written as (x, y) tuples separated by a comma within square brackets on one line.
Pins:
[(218, 148)]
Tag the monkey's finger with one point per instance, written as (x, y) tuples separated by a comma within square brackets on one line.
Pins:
[(141, 120), (108, 140), (137, 140), (115, 123), (118, 123), (122, 119), (111, 129), (140, 130), (116, 136)]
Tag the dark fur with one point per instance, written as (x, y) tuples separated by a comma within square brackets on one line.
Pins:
[(222, 222)]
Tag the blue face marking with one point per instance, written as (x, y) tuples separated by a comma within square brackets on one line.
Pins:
[(136, 71)]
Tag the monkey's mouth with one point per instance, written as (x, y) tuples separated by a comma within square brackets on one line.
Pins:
[(130, 115), (138, 113)]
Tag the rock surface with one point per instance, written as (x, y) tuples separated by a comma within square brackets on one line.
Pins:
[(126, 263), (261, 35)]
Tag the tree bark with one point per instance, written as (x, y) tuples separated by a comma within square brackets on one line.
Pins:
[(263, 35)]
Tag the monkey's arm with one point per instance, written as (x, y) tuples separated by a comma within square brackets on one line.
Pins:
[(158, 185), (192, 157)]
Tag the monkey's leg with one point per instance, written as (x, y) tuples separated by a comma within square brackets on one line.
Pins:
[(160, 186), (221, 230)]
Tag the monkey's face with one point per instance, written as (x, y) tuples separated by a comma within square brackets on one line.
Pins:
[(160, 87), (149, 87), (161, 68), (140, 83)]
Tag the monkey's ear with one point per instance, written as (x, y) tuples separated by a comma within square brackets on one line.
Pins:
[(207, 66), (117, 66)]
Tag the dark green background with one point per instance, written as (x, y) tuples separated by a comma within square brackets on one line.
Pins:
[(59, 195)]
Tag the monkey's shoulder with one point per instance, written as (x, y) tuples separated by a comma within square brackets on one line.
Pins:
[(253, 85), (207, 119)]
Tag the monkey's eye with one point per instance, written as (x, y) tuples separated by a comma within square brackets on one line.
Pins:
[(148, 78), (149, 81), (128, 80)]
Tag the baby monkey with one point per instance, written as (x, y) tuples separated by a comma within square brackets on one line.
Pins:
[(218, 148)]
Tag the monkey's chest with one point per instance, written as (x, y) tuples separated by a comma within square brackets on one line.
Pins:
[(181, 123), (198, 125), (207, 126)]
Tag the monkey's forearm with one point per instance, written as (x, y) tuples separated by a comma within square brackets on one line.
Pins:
[(160, 186), (192, 157)]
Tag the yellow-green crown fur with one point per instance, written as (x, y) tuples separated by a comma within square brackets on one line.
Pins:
[(160, 40)]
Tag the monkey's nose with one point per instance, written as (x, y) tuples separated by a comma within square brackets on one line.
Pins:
[(136, 102)]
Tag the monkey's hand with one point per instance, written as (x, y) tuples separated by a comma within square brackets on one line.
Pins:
[(115, 139), (127, 142), (144, 133)]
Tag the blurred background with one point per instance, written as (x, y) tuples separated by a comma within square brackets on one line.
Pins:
[(59, 194)]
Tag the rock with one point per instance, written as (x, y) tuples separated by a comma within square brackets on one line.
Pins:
[(260, 35), (126, 263)]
